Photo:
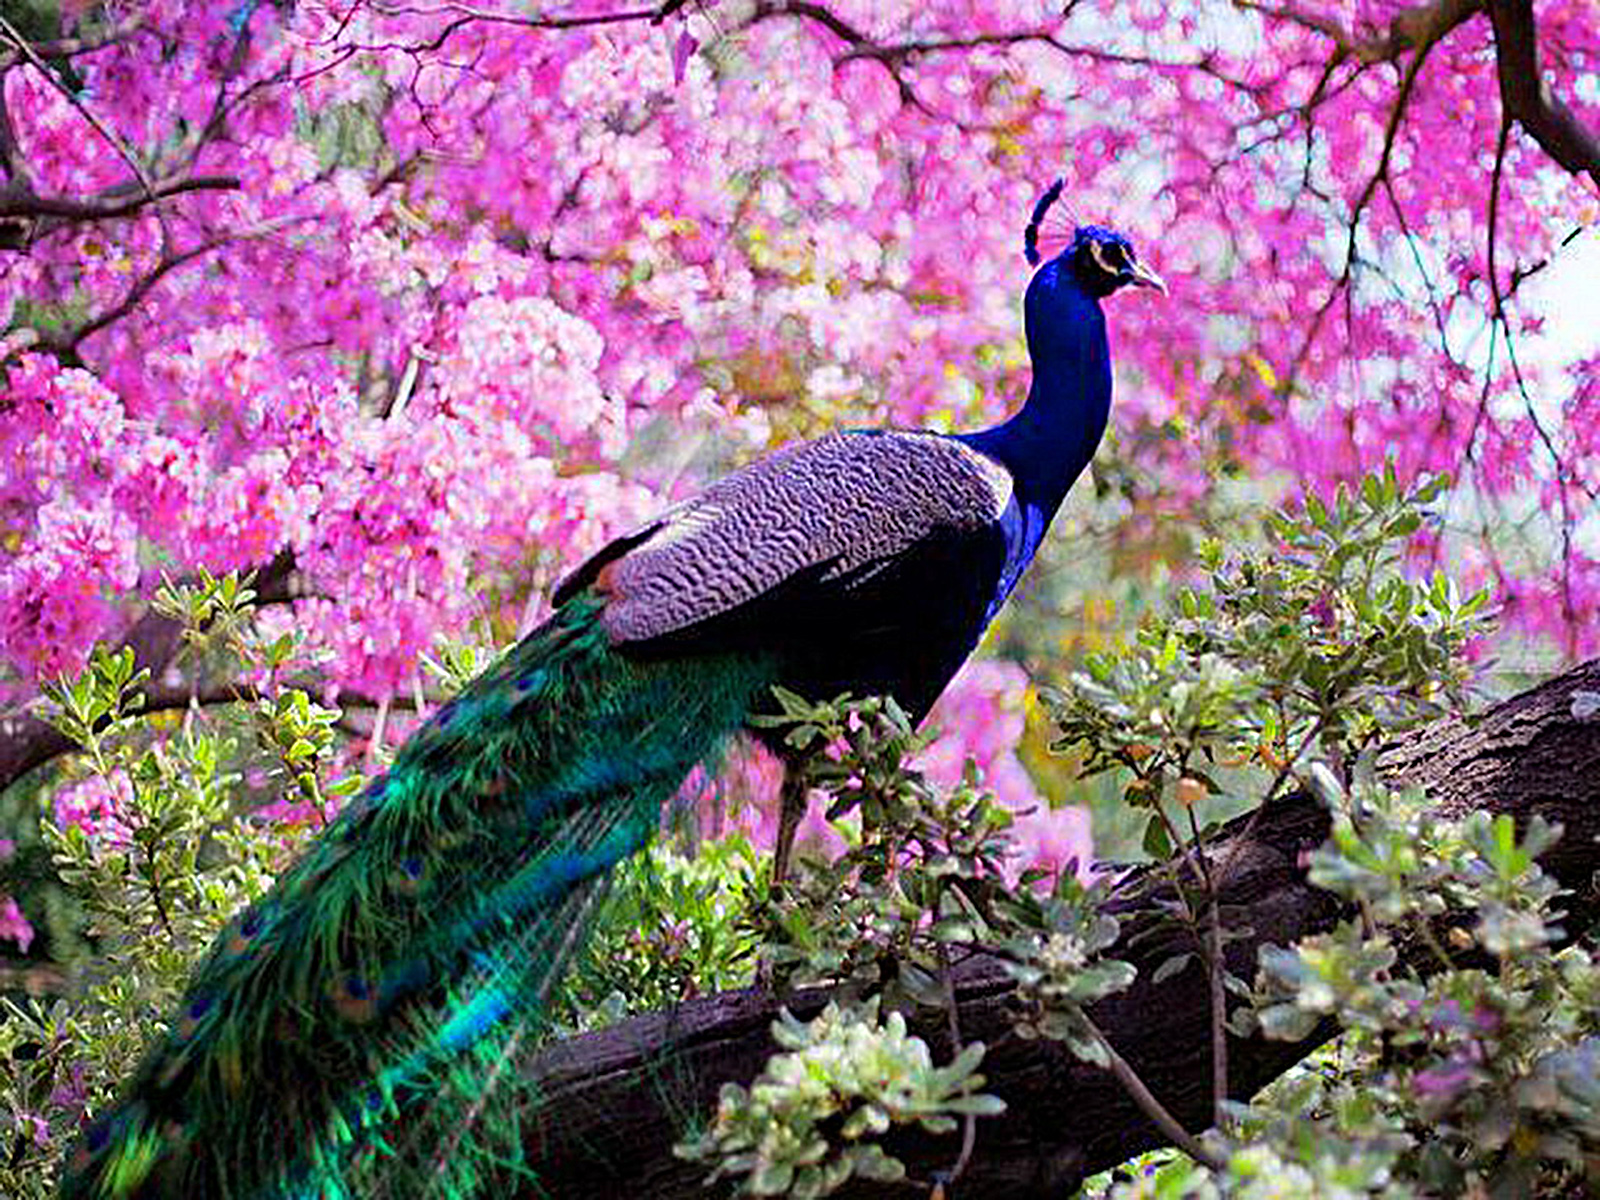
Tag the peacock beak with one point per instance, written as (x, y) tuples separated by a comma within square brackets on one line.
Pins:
[(1143, 276)]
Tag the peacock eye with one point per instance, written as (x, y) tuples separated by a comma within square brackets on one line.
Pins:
[(1111, 257)]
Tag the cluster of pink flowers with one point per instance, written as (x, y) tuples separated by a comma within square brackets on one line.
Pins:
[(14, 926), (473, 268), (99, 806)]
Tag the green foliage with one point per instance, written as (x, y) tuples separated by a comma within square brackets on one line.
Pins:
[(1256, 1171), (1470, 1040), (1056, 955), (153, 852), (454, 664), (216, 616), (921, 874), (1470, 1047), (856, 751), (673, 927), (1320, 644), (919, 884), (1468, 1032), (803, 1127)]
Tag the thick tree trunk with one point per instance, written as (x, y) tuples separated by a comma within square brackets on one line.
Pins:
[(615, 1102)]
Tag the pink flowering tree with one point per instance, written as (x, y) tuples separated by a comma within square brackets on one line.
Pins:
[(409, 306)]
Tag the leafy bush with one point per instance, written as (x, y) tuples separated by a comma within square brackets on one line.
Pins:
[(1465, 1065), (157, 839), (804, 1127)]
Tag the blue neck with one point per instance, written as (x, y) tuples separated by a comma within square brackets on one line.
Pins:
[(1050, 441)]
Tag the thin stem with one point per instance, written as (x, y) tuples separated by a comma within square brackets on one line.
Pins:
[(1238, 843), (152, 878), (1147, 1103), (969, 1123), (1216, 966)]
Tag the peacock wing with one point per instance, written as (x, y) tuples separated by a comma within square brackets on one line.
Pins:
[(870, 560)]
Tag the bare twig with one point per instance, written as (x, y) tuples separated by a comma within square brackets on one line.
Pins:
[(26, 49), (969, 1124), (1391, 131), (1163, 1120), (1216, 971), (1569, 611), (894, 56)]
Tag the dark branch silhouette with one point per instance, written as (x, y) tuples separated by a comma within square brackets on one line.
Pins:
[(1529, 100)]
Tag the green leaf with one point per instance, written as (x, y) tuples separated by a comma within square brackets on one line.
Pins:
[(1170, 967), (976, 1106), (953, 929), (1157, 844)]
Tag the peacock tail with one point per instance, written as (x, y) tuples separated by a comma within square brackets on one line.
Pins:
[(343, 1026)]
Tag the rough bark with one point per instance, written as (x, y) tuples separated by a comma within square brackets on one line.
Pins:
[(615, 1102)]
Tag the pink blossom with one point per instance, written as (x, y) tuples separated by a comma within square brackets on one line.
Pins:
[(487, 294), (56, 597), (981, 717), (14, 927), (100, 806)]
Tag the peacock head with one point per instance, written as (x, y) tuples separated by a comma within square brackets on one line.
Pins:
[(1103, 260), (1100, 259)]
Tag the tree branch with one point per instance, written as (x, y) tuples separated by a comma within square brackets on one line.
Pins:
[(123, 151), (17, 202), (71, 47), (1528, 98), (27, 742), (613, 1103), (1407, 29), (65, 342), (465, 15)]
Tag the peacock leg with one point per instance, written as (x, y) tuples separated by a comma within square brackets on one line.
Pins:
[(791, 807)]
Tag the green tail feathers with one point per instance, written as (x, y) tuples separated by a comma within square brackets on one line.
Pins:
[(403, 959)]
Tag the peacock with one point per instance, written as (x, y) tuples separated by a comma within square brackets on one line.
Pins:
[(413, 946)]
